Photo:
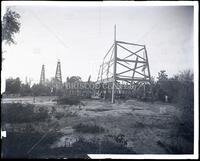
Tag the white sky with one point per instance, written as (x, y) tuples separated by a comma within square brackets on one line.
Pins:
[(81, 36)]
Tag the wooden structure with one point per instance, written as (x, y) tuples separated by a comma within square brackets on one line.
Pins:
[(58, 76), (42, 76), (124, 62)]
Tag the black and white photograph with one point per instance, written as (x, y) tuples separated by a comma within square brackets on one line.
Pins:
[(96, 80)]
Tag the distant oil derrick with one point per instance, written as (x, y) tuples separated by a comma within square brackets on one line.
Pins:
[(58, 76), (42, 76)]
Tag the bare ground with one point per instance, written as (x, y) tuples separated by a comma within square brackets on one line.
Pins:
[(145, 128)]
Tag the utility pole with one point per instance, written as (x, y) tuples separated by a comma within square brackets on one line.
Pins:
[(114, 69)]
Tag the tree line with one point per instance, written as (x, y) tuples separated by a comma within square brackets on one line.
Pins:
[(16, 87), (178, 88)]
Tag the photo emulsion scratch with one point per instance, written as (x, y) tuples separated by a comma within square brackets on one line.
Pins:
[(98, 80)]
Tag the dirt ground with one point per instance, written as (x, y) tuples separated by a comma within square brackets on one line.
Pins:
[(146, 128)]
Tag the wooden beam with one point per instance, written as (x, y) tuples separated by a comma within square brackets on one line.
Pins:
[(127, 81), (124, 65), (103, 75), (142, 74), (124, 71), (134, 70), (109, 80), (108, 62), (134, 61), (128, 43), (108, 51), (115, 67), (131, 51), (99, 73), (135, 79), (147, 63), (105, 65), (140, 66), (124, 76), (134, 53), (102, 70)]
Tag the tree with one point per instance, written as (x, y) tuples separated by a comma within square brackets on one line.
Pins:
[(162, 76), (179, 88), (10, 26), (25, 90), (13, 86), (185, 101), (73, 79), (161, 85), (185, 96), (41, 90), (186, 75)]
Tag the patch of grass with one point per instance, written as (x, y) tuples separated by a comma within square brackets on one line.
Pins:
[(139, 125), (69, 101), (108, 147), (59, 115), (101, 147), (120, 138), (81, 148), (186, 130), (16, 145), (21, 113), (134, 109), (24, 141), (88, 128), (98, 110), (164, 146)]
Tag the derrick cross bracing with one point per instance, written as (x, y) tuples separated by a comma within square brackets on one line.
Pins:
[(124, 63)]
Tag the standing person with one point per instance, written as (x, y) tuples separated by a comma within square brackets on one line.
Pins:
[(166, 98)]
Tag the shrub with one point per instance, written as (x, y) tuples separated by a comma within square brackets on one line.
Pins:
[(18, 113), (88, 128), (59, 115), (40, 90), (23, 142), (69, 100), (107, 147)]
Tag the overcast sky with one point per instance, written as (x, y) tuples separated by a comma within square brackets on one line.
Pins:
[(81, 36)]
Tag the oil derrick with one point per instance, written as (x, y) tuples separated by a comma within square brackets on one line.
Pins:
[(58, 76), (42, 76), (125, 63)]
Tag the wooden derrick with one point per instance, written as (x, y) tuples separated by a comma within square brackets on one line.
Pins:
[(135, 66)]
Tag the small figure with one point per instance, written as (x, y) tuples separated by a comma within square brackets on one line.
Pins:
[(166, 98)]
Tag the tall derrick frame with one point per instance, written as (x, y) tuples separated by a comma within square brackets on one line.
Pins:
[(58, 76), (135, 65)]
